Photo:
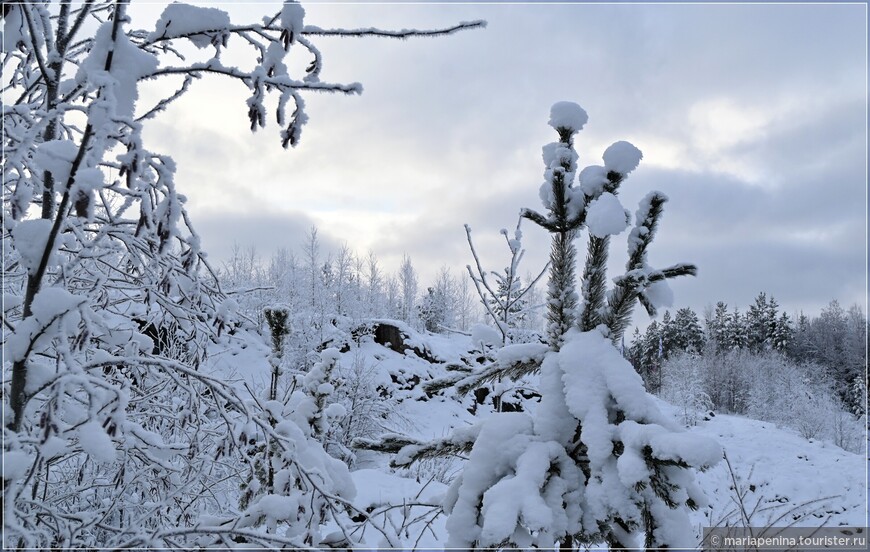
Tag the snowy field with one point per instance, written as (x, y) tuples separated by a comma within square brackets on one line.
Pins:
[(780, 478)]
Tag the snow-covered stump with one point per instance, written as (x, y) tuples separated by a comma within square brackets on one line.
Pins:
[(597, 463)]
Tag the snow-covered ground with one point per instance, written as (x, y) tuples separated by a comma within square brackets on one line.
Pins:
[(786, 478), (779, 477)]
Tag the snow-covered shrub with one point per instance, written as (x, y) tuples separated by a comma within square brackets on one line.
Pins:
[(369, 412), (782, 393), (812, 419), (292, 480), (683, 386), (728, 380), (115, 440), (766, 386), (848, 431), (314, 404)]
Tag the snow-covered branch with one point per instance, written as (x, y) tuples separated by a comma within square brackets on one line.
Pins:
[(401, 34)]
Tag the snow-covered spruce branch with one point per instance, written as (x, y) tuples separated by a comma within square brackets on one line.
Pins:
[(387, 443), (512, 362), (638, 276), (409, 450), (620, 300), (497, 372), (458, 444), (439, 384), (594, 275)]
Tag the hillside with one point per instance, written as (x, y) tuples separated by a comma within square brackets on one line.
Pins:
[(780, 477)]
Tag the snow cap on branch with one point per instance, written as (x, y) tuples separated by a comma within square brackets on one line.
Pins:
[(56, 157), (203, 26), (622, 157), (29, 238), (606, 216), (660, 294), (292, 18), (556, 154), (128, 65), (567, 115), (592, 180)]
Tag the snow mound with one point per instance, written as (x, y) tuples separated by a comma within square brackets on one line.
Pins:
[(811, 482)]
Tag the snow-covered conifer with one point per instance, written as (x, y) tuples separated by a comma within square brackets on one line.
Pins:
[(687, 334), (735, 331), (432, 309), (408, 287), (597, 463), (717, 324), (782, 333)]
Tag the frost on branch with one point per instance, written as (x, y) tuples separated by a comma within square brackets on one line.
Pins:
[(272, 42)]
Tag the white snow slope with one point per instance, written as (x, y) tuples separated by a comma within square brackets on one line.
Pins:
[(783, 479)]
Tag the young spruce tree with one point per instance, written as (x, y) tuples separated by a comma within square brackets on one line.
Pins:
[(597, 462)]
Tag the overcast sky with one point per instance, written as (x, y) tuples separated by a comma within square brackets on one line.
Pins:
[(751, 118)]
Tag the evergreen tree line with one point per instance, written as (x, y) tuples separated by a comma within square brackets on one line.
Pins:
[(831, 345)]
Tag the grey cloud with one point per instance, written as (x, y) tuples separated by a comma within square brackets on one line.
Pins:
[(464, 118), (265, 232), (743, 243)]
